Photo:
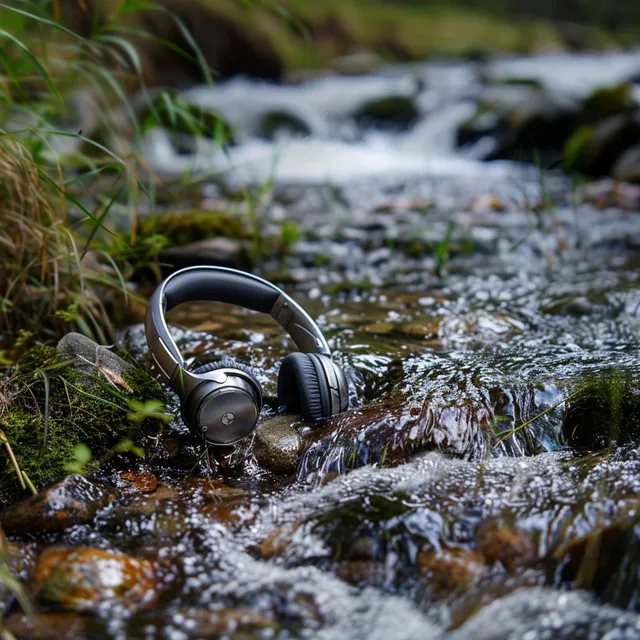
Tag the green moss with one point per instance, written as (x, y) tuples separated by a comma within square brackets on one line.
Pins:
[(183, 228), (37, 357), (80, 408)]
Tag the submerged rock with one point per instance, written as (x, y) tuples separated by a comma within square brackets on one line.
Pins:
[(548, 614), (606, 561), (73, 501), (81, 579)]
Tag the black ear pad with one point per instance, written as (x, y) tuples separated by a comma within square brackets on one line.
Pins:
[(227, 363), (303, 388)]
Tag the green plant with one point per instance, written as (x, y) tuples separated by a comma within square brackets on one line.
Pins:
[(63, 265)]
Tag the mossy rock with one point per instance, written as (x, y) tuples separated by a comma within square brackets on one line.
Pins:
[(278, 122), (609, 101), (183, 228), (397, 112), (52, 408), (605, 410), (594, 149)]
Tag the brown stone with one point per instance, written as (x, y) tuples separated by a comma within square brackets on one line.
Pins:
[(509, 546), (81, 578), (279, 541), (450, 570), (56, 625), (74, 500), (142, 481)]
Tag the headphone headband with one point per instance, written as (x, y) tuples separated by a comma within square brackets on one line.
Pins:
[(221, 284)]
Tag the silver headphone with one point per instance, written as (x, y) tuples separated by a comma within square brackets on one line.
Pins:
[(221, 402)]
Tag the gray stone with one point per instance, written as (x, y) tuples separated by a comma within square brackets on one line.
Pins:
[(627, 167), (277, 445), (87, 355)]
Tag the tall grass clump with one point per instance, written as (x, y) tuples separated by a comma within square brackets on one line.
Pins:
[(70, 156)]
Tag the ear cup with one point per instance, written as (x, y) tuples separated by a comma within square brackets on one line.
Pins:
[(303, 388), (223, 409)]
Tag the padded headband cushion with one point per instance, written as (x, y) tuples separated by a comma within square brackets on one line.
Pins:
[(219, 285), (302, 387), (227, 363)]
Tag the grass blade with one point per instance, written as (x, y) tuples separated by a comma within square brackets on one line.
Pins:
[(34, 60)]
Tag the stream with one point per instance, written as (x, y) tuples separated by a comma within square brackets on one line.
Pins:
[(471, 490)]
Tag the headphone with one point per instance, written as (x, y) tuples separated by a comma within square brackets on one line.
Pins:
[(221, 402)]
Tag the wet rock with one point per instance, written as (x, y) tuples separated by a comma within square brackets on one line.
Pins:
[(224, 252), (397, 112), (363, 572), (277, 445), (594, 149), (627, 166), (59, 625), (604, 410), (278, 542), (541, 127), (605, 561), (89, 357), (83, 579), (140, 481), (74, 500), (205, 623), (276, 123), (548, 613), (505, 545), (608, 101), (450, 570)]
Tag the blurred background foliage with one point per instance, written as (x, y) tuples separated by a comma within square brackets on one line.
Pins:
[(82, 80)]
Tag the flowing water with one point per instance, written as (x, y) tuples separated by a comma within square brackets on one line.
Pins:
[(459, 496)]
